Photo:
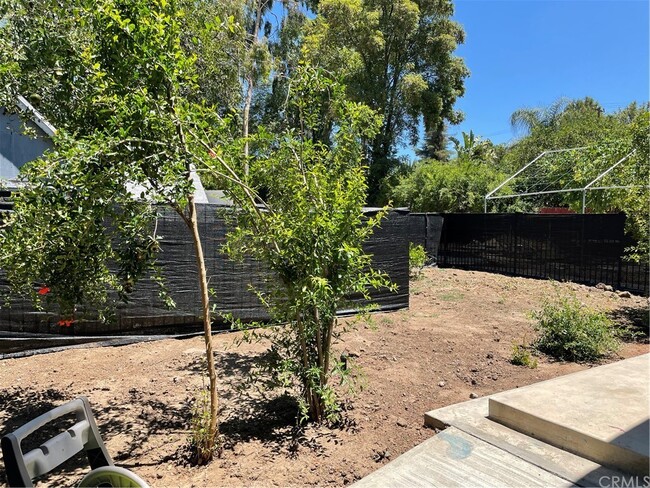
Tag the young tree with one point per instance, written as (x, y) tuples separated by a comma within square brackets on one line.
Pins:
[(311, 231), (113, 77)]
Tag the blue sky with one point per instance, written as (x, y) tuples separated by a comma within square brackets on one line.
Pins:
[(529, 53)]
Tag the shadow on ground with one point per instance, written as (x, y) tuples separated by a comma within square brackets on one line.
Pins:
[(633, 322), (254, 408), (250, 410)]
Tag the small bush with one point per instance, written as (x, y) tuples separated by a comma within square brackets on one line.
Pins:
[(521, 356), (571, 331), (417, 259)]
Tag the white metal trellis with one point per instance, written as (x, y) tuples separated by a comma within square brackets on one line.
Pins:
[(491, 195)]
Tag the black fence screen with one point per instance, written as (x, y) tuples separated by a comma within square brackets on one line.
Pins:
[(231, 281), (585, 249), (425, 230)]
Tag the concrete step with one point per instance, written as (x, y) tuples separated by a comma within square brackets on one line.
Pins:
[(607, 405), (471, 417), (600, 414), (454, 458)]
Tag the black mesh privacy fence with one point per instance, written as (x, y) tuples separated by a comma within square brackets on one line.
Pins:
[(587, 249), (425, 230), (230, 281)]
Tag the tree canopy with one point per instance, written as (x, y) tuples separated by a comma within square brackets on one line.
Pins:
[(456, 186), (398, 58), (117, 81)]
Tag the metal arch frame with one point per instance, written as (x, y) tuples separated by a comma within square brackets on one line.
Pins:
[(584, 189), (588, 187)]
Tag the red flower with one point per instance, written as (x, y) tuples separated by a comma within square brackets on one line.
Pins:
[(212, 154), (44, 290), (65, 323)]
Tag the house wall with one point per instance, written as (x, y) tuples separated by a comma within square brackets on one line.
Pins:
[(16, 149)]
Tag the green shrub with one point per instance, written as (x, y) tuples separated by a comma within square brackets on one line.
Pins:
[(521, 356), (572, 331), (417, 259), (455, 186)]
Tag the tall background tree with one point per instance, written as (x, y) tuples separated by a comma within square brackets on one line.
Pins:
[(214, 32), (257, 61), (398, 58)]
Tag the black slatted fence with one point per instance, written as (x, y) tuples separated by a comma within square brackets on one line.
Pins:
[(230, 280), (425, 230), (587, 249)]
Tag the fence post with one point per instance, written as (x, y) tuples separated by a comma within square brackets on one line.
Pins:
[(620, 253), (586, 277), (516, 244), (442, 246), (426, 232)]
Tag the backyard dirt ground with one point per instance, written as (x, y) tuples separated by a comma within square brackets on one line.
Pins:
[(455, 340)]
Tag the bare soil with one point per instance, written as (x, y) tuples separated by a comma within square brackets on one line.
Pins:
[(455, 340)]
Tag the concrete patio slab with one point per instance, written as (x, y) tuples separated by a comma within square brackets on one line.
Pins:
[(454, 458), (600, 414)]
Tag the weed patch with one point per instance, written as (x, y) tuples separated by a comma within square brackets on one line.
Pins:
[(451, 296), (521, 356)]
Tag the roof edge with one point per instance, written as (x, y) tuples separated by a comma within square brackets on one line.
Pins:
[(36, 116)]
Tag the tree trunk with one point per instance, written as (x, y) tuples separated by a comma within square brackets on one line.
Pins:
[(193, 226), (250, 81), (310, 395), (328, 347), (247, 109), (207, 322)]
